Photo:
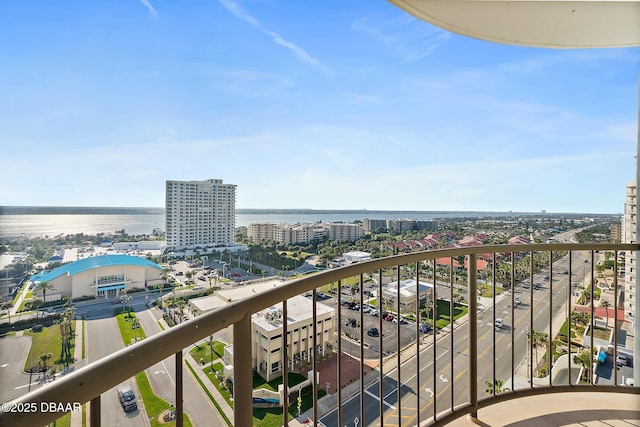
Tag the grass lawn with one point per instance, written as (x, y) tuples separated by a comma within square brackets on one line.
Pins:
[(153, 404), (129, 335), (272, 417), (63, 421), (293, 377), (486, 291), (211, 374), (443, 318), (48, 340), (203, 351)]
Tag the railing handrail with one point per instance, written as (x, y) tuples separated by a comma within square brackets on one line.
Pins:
[(96, 378)]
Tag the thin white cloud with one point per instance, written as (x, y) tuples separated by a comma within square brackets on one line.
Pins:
[(146, 3), (410, 38), (236, 10), (363, 98)]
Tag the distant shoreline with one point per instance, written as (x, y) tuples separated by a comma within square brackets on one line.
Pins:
[(87, 210)]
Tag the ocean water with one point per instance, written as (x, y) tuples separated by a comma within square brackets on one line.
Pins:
[(52, 222)]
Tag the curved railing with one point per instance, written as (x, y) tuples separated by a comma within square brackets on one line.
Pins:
[(455, 356)]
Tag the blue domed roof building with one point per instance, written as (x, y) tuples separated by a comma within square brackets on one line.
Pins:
[(101, 276)]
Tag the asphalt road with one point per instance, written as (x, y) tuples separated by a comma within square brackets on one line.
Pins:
[(13, 353), (511, 344), (162, 377), (103, 338)]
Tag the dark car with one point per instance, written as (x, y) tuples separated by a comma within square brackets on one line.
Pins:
[(373, 332), (127, 399)]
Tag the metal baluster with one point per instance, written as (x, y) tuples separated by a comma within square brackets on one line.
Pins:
[(179, 390), (473, 335)]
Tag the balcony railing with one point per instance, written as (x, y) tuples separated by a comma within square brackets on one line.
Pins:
[(419, 379)]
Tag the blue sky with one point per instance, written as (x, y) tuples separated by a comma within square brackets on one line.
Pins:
[(332, 105)]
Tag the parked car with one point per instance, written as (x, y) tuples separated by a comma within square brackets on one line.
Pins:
[(367, 293), (373, 332), (127, 398), (322, 296), (498, 324), (425, 327), (351, 322), (374, 312), (366, 309), (622, 360), (389, 317)]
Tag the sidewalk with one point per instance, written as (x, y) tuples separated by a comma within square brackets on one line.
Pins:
[(228, 411), (187, 357)]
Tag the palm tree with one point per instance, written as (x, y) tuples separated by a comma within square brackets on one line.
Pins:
[(8, 305), (537, 339), (44, 287), (585, 359), (65, 336), (44, 357), (497, 384), (606, 306), (355, 288), (159, 286), (36, 303)]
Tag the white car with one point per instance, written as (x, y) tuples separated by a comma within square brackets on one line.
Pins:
[(498, 324)]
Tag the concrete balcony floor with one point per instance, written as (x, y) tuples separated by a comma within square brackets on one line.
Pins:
[(560, 409)]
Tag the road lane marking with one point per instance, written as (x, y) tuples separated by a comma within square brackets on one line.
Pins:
[(378, 399)]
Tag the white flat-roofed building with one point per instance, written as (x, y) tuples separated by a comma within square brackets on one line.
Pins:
[(407, 292), (267, 330), (356, 256), (344, 231), (200, 214), (267, 327), (259, 231), (300, 233), (374, 224)]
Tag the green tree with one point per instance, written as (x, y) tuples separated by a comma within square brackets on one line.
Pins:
[(536, 340), (44, 357), (44, 287), (35, 304), (606, 306), (7, 306), (496, 384), (585, 359)]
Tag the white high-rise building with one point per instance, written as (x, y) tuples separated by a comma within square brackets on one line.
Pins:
[(629, 236), (200, 214)]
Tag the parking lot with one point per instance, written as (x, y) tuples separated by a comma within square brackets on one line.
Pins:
[(353, 314)]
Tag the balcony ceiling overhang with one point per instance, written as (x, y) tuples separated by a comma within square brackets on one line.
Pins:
[(540, 23)]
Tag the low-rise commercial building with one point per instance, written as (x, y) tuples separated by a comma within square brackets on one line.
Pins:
[(267, 328), (101, 276), (407, 294)]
